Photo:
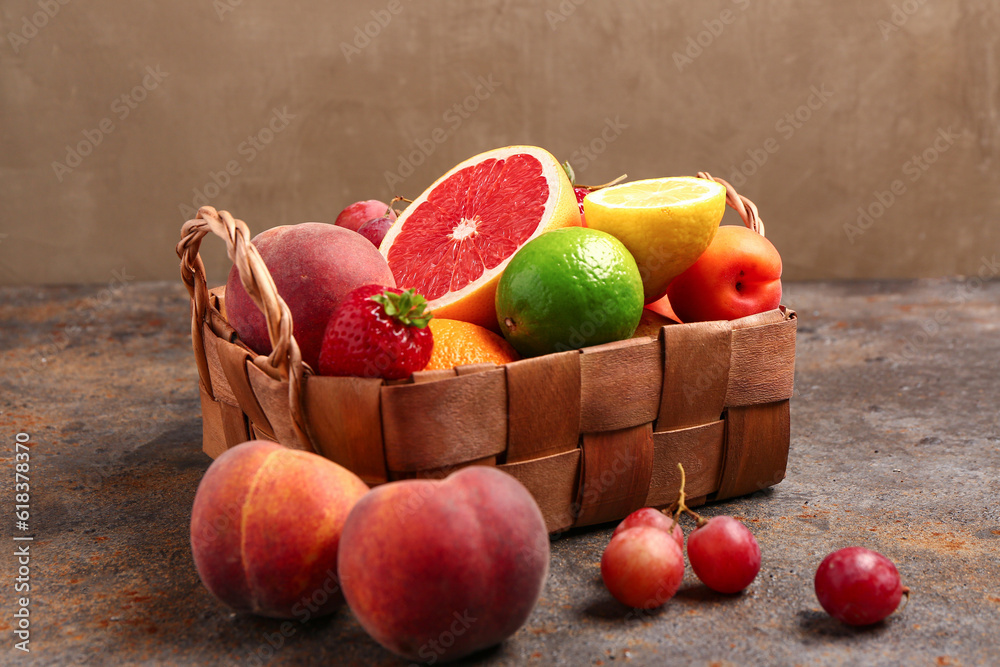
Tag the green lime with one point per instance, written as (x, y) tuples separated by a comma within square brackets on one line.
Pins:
[(567, 289)]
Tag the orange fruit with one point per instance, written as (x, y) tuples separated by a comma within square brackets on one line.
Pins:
[(457, 343), (453, 242), (651, 322), (664, 308)]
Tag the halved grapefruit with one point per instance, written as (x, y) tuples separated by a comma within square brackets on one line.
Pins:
[(453, 242)]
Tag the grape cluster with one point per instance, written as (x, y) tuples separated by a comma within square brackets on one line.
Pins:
[(643, 565)]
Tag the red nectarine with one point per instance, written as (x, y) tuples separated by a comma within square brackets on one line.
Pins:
[(266, 528), (314, 266), (738, 275), (435, 570)]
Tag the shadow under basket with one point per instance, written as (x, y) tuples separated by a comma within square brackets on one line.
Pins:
[(594, 434)]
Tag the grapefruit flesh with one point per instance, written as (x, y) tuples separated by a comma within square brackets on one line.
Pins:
[(453, 242)]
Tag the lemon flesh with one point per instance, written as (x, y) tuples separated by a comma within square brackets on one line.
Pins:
[(666, 223)]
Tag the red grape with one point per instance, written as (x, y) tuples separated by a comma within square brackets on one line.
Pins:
[(724, 554), (580, 194), (647, 516), (375, 229), (642, 567), (361, 212), (858, 586)]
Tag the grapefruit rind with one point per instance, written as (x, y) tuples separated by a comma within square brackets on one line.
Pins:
[(475, 302)]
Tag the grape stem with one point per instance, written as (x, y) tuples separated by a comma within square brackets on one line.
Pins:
[(604, 185), (396, 199), (906, 594), (682, 507)]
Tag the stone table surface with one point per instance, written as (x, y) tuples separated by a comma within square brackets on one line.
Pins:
[(895, 445)]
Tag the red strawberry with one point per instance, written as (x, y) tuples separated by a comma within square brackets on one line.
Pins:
[(580, 194), (377, 332)]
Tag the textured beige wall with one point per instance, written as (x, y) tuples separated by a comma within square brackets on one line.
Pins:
[(843, 104)]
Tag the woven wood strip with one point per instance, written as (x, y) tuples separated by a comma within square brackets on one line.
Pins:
[(273, 398), (285, 360), (433, 376), (213, 434), (217, 300), (756, 451), (442, 420), (772, 316), (444, 423), (220, 327), (220, 384), (345, 418), (746, 209), (233, 359), (620, 384), (615, 473), (440, 473), (696, 501), (257, 433), (193, 275), (699, 449), (763, 364), (472, 369), (234, 424), (695, 374), (553, 481), (543, 411)]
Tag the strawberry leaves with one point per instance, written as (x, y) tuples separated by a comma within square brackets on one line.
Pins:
[(408, 308)]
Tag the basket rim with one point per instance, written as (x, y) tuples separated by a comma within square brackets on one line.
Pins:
[(285, 361)]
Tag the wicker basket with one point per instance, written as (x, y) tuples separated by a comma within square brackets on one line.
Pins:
[(593, 434)]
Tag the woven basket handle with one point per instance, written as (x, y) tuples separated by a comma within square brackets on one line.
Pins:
[(285, 361), (746, 208)]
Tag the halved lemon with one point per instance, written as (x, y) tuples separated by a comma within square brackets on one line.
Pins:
[(666, 223)]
